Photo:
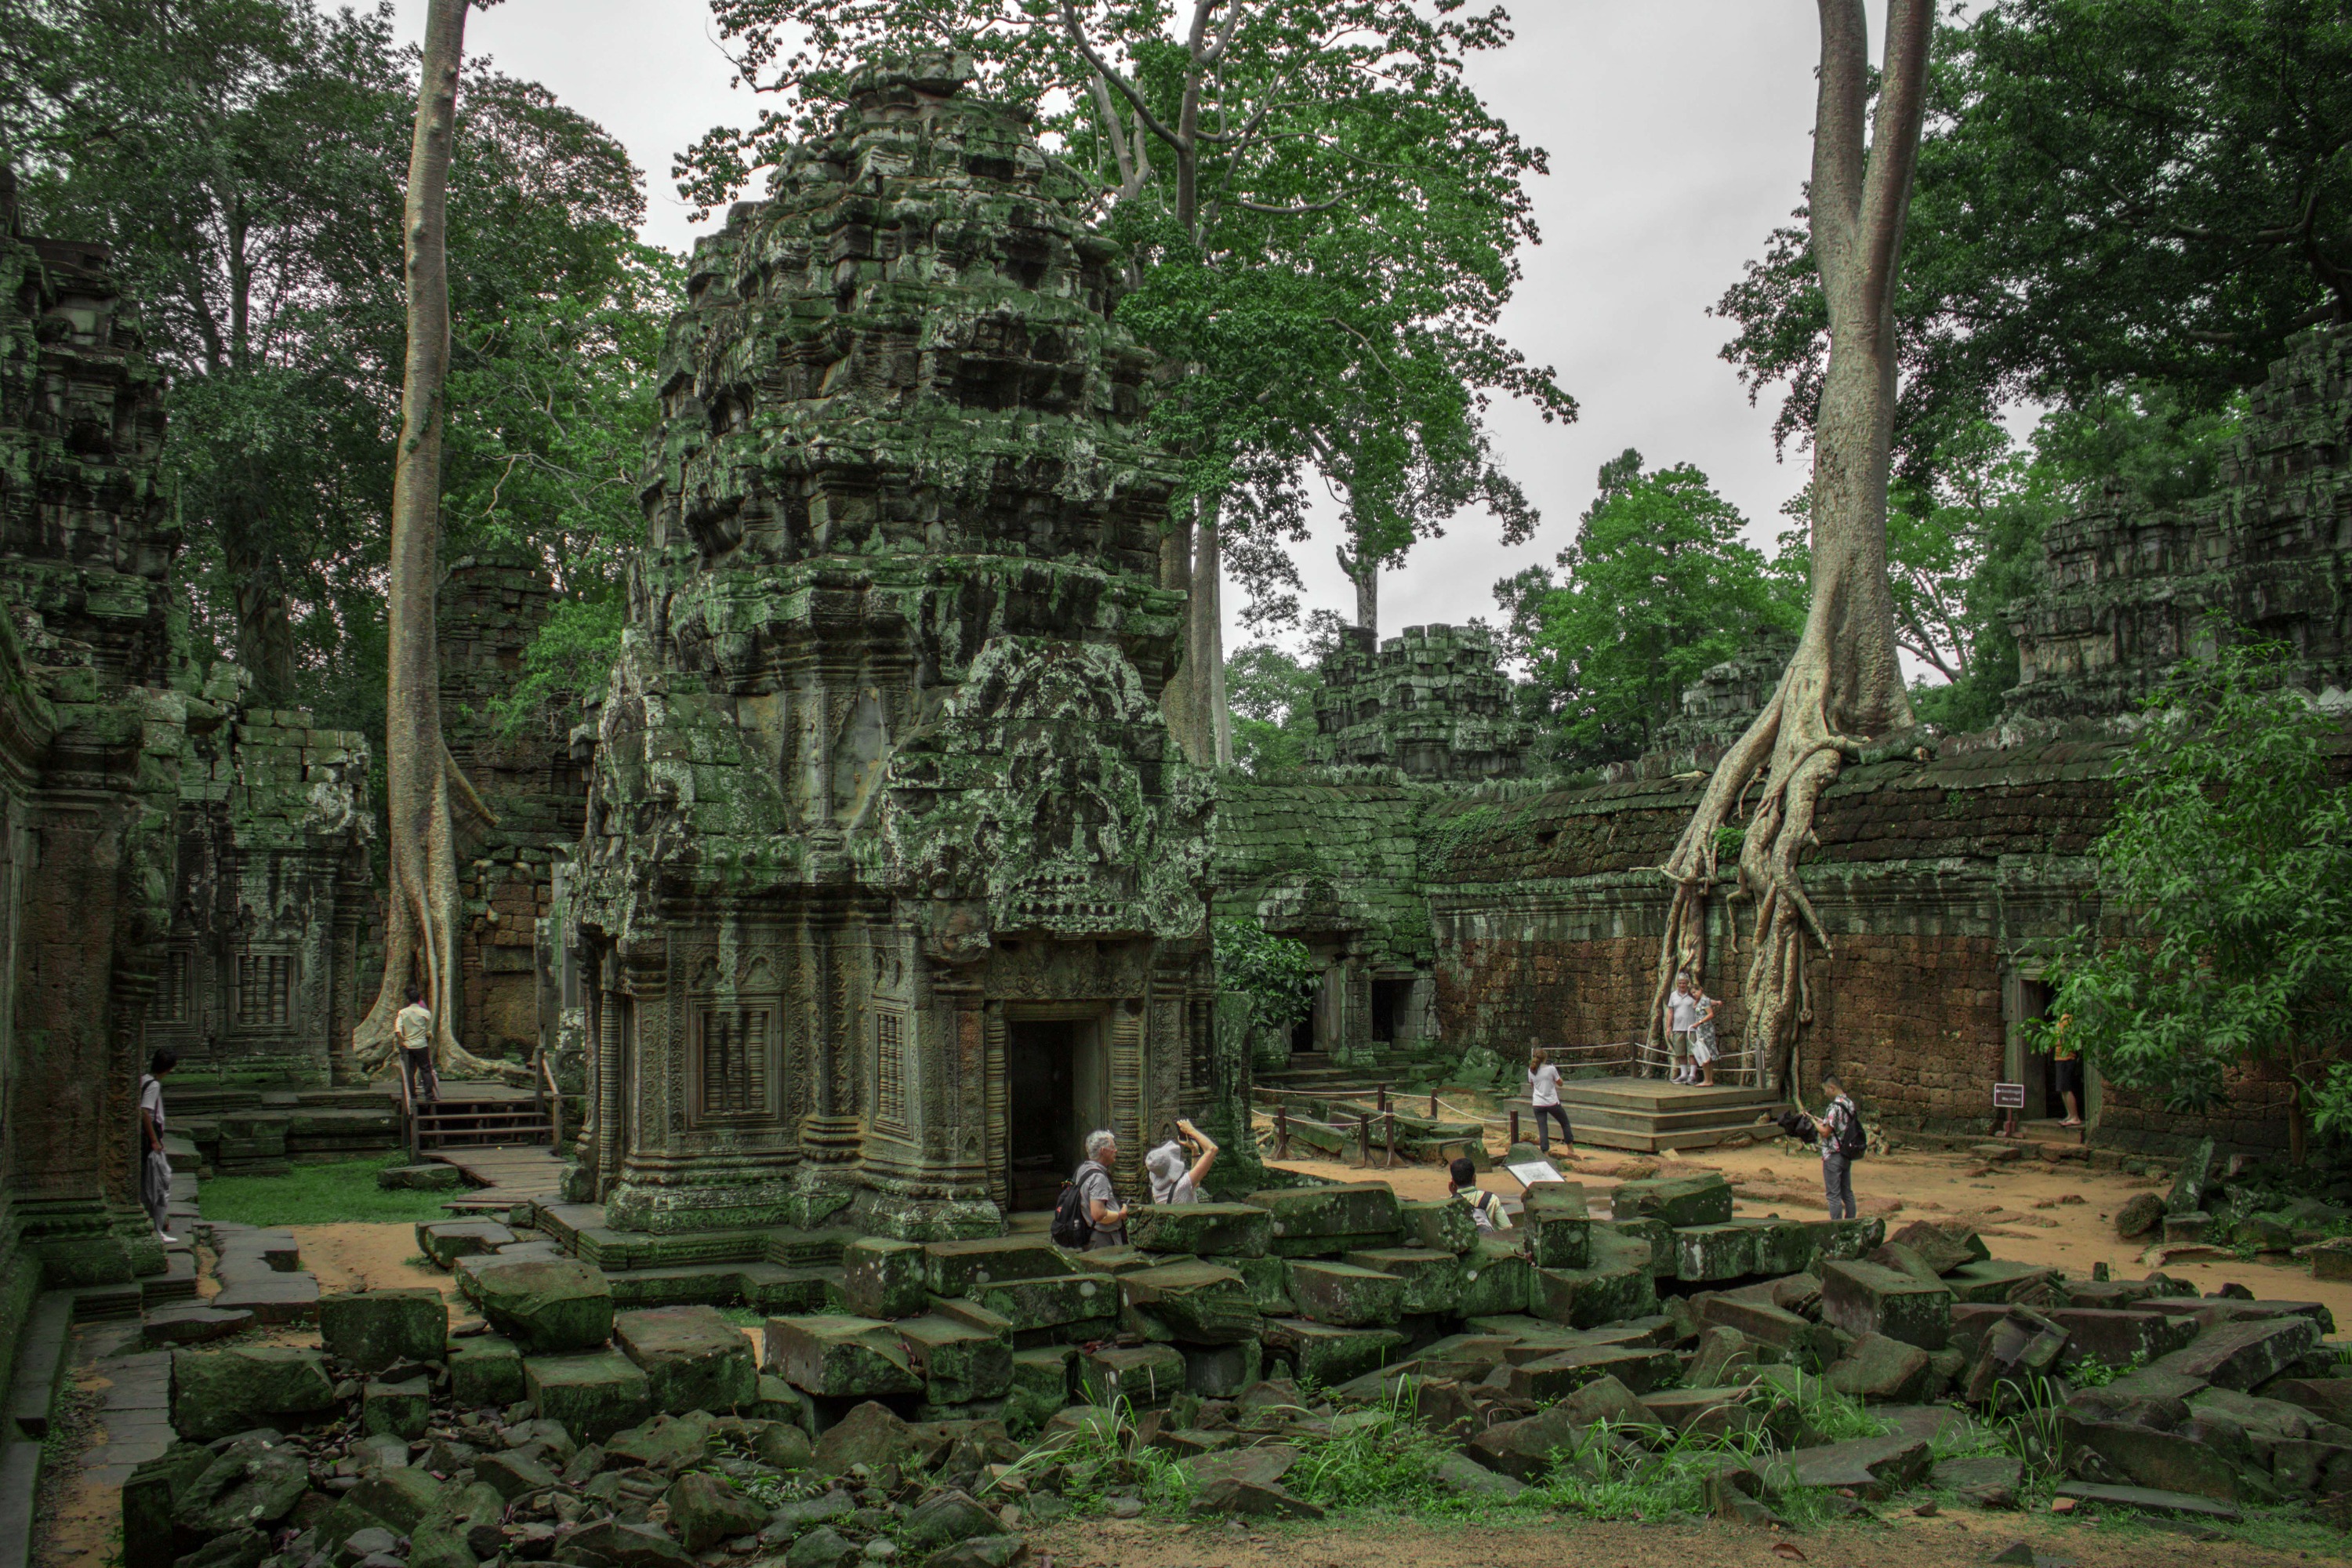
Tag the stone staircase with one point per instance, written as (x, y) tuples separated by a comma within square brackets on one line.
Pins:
[(468, 1116), (1647, 1116)]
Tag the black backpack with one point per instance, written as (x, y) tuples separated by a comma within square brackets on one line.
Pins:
[(1071, 1227), (1854, 1141)]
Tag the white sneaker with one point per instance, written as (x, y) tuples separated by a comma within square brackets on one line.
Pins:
[(168, 1240)]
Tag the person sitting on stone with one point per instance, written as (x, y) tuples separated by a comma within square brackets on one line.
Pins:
[(1173, 1178), (1104, 1211), (1486, 1208)]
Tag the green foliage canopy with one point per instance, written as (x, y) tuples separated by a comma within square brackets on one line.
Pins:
[(245, 161), (2108, 194), (1657, 586), (1272, 694), (2229, 861), (1323, 220)]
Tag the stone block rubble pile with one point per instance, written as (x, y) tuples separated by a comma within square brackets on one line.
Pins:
[(957, 1392)]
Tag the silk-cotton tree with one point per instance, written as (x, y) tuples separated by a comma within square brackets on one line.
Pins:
[(1323, 221), (1844, 688), (423, 784)]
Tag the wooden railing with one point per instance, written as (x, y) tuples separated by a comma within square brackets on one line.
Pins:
[(550, 1100)]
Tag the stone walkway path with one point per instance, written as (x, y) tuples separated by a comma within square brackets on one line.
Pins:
[(507, 1175)]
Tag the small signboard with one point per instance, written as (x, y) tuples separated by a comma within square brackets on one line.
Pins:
[(2008, 1097), (1534, 1171)]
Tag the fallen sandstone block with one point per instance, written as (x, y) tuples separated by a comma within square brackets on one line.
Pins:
[(1240, 1230), (839, 1357), (1344, 1295), (375, 1328), (693, 1358), (1864, 1299)]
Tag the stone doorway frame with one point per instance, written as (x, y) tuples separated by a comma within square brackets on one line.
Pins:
[(2017, 974)]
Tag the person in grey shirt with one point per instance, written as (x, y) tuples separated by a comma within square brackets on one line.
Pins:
[(1104, 1211)]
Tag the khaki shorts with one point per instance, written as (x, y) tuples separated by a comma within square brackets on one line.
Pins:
[(1678, 1044)]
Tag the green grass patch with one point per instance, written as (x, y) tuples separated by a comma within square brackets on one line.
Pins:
[(342, 1192)]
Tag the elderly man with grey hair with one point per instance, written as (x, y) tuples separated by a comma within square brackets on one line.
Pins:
[(1104, 1211)]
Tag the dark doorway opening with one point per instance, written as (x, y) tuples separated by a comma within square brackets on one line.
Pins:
[(1041, 1108), (1390, 998), (1302, 1033)]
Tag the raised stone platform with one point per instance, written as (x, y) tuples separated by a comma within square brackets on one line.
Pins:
[(260, 1129), (776, 1268), (1648, 1116)]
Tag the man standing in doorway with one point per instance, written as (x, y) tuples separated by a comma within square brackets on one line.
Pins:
[(2068, 1063)]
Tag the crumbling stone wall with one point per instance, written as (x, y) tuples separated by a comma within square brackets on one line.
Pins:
[(1335, 866), (1931, 878), (272, 890), (526, 774), (2124, 588), (881, 786), (92, 729)]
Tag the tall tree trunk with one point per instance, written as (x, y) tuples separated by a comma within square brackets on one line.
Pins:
[(421, 924), (1367, 596), (1205, 640), (1843, 685)]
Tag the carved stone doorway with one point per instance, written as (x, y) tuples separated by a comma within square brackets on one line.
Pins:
[(1057, 1090)]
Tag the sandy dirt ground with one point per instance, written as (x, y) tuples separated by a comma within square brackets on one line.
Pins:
[(368, 1257), (2028, 1210), (1952, 1539)]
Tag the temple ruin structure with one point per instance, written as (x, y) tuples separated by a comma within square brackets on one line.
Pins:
[(1945, 877), (893, 883)]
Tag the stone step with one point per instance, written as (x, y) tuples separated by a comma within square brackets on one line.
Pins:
[(177, 1283), (20, 1485), (193, 1325), (101, 1303), (40, 1364), (1659, 1094), (1737, 1119)]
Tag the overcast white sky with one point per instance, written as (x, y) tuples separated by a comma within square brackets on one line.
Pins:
[(1679, 134)]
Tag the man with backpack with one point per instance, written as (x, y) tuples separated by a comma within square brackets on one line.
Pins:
[(1088, 1215), (1843, 1141)]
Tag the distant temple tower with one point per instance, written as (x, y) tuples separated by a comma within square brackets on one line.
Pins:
[(1429, 702), (893, 881)]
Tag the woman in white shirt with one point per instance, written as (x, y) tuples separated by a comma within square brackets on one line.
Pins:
[(1543, 1089)]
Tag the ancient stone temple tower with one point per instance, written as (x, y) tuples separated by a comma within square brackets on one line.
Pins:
[(893, 880)]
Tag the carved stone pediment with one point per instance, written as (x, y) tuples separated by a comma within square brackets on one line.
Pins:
[(1050, 790)]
